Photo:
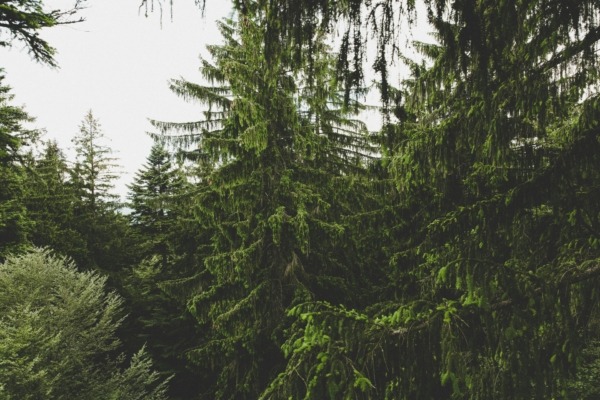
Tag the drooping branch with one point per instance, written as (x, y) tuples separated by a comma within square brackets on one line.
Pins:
[(22, 21), (589, 273)]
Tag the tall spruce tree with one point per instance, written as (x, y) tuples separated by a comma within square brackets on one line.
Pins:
[(95, 167), (281, 153), (495, 158), (497, 141)]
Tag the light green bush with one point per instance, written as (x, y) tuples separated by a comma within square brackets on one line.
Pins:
[(57, 335)]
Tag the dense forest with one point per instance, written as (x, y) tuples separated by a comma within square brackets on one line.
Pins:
[(278, 249)]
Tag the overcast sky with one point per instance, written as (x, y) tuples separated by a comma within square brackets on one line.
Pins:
[(117, 63)]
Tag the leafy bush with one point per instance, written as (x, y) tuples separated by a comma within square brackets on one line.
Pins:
[(57, 335)]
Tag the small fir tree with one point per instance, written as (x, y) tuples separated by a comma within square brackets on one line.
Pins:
[(152, 199), (105, 230), (51, 202), (95, 167)]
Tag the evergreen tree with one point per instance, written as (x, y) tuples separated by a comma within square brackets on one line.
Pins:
[(278, 160), (104, 229), (14, 224), (95, 168), (158, 319), (51, 201), (475, 277), (152, 201), (497, 143)]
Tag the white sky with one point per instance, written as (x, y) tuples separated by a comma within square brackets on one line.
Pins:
[(118, 64)]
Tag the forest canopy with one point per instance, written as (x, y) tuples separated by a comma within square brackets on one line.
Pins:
[(276, 248)]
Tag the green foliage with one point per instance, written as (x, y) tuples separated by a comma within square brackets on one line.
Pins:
[(161, 321), (456, 259), (51, 203), (14, 224), (584, 385), (165, 244), (105, 231), (276, 153), (57, 331), (13, 219), (95, 168), (22, 20), (494, 150), (153, 196)]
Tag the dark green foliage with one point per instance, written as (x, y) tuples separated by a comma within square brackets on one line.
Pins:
[(64, 214), (13, 136), (161, 322), (158, 199), (13, 217), (584, 385), (94, 172), (105, 231), (497, 142), (22, 20), (12, 132), (456, 258), (276, 155), (153, 196), (51, 203)]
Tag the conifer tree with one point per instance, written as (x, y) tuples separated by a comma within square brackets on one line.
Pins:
[(105, 231), (495, 156), (95, 167), (51, 202), (280, 156), (159, 319), (152, 199), (497, 142), (14, 224), (21, 20)]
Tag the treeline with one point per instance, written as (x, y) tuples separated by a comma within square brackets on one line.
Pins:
[(66, 205), (277, 249)]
